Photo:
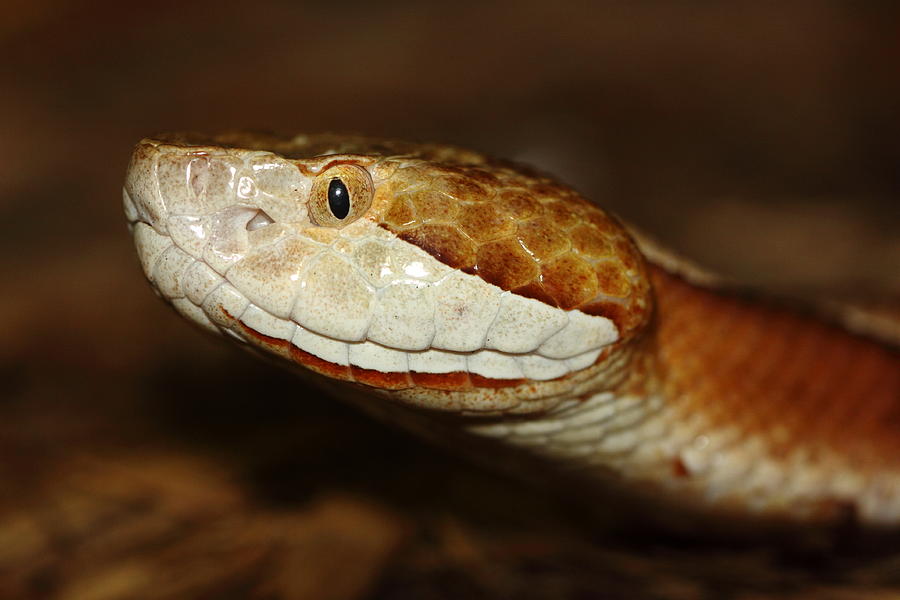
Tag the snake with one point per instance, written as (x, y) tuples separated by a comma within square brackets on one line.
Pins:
[(482, 301)]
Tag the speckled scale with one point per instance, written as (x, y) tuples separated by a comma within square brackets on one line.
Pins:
[(531, 236)]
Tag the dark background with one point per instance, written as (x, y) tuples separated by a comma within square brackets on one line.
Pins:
[(143, 460)]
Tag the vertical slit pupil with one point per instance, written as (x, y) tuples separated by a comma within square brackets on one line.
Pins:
[(338, 198)]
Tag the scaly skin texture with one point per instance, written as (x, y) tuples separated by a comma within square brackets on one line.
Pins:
[(526, 234), (481, 289)]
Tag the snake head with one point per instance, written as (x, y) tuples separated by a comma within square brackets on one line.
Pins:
[(429, 273)]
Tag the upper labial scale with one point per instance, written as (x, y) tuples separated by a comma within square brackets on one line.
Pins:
[(528, 235)]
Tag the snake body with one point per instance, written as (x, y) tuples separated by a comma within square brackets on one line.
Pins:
[(431, 281)]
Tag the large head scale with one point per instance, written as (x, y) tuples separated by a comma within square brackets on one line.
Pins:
[(426, 272)]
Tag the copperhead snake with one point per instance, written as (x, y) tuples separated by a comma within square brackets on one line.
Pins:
[(423, 280)]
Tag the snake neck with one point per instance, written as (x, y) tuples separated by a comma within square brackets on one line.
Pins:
[(736, 405), (794, 383)]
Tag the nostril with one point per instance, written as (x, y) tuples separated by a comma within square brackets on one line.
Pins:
[(259, 220)]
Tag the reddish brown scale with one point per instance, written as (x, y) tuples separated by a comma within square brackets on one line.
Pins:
[(461, 187), (444, 243), (520, 205), (585, 241), (612, 280), (487, 382), (570, 281), (275, 344), (334, 163), (535, 290), (278, 346), (378, 379), (455, 381), (541, 239), (484, 222), (679, 469), (777, 374), (433, 207), (624, 318), (505, 264), (401, 214), (523, 233), (323, 367)]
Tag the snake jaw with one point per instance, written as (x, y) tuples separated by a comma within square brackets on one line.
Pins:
[(225, 235)]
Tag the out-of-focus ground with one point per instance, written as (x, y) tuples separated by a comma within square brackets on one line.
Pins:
[(139, 459)]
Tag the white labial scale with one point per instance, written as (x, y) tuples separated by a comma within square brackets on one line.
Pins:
[(168, 271), (190, 233), (334, 351), (523, 324), (194, 313), (403, 316), (436, 361), (225, 299), (259, 320), (411, 262), (465, 307), (333, 300), (150, 246), (495, 365), (582, 361), (541, 369), (373, 356), (198, 281), (375, 260), (270, 277), (581, 334)]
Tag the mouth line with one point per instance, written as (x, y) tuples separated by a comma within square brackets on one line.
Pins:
[(388, 380), (356, 360), (207, 297)]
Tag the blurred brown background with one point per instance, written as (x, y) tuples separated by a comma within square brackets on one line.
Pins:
[(142, 460)]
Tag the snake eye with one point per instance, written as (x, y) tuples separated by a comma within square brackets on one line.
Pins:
[(340, 195), (338, 198)]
